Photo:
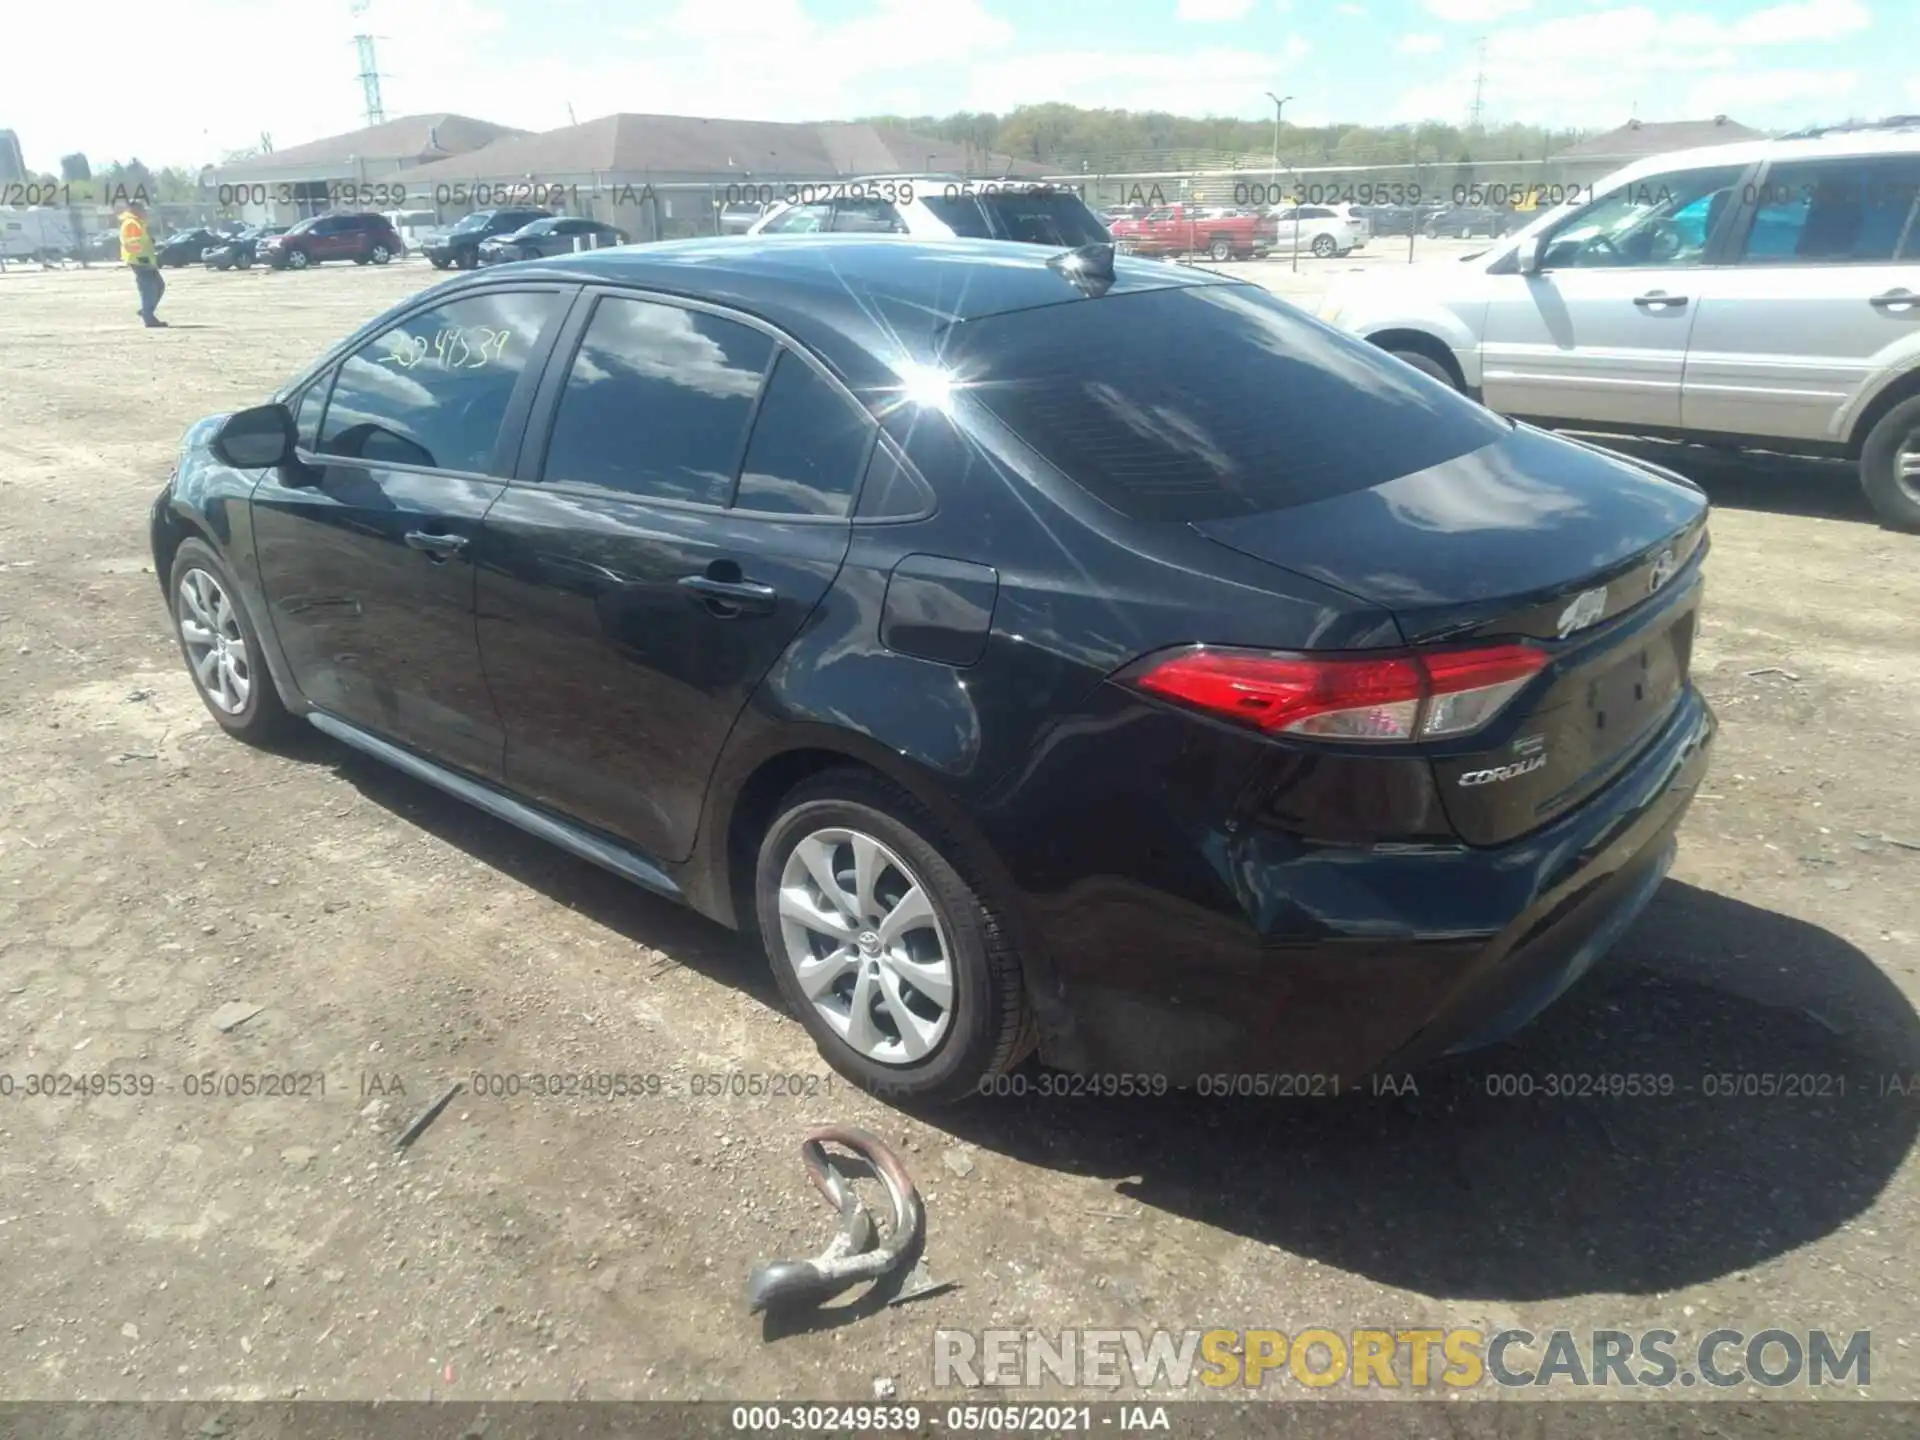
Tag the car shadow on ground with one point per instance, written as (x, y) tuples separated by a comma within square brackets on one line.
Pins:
[(1785, 1068), (1758, 480)]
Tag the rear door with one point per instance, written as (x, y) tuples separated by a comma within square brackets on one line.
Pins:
[(365, 544), (681, 507), (1600, 333), (1822, 294)]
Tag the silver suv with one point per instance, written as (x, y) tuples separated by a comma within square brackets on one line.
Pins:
[(1763, 294), (937, 207)]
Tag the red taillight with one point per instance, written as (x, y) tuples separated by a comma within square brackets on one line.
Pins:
[(1423, 695)]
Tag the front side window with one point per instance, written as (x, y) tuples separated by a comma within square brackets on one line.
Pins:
[(799, 220), (306, 419), (1659, 220), (658, 402), (867, 217), (433, 390), (1834, 212), (807, 447)]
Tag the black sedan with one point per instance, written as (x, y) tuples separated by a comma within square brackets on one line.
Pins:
[(545, 238), (240, 251), (187, 247), (1320, 720)]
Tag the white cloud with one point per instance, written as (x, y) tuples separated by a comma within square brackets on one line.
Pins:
[(1476, 12), (1206, 11), (1350, 9), (1418, 44), (1204, 82), (1596, 69), (1785, 24)]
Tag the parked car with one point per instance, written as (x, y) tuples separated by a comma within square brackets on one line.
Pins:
[(241, 250), (820, 584), (1314, 230), (459, 247), (362, 238), (1357, 220), (943, 207), (1391, 219), (550, 235), (185, 247), (739, 218), (1219, 234), (1761, 294), (1461, 222)]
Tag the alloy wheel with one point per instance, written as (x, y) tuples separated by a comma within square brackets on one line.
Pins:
[(216, 648), (867, 946), (1906, 466)]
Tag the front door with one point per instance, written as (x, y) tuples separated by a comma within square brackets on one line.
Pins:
[(365, 543), (637, 586), (1599, 334), (1822, 293)]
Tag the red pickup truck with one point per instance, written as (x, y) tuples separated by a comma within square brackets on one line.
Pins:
[(1197, 230)]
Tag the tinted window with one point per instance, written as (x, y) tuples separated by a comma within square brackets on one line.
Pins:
[(808, 443), (1210, 401), (1661, 220), (1833, 211), (1037, 218), (658, 401), (433, 390)]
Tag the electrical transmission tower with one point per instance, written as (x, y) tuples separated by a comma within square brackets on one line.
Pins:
[(369, 69), (1479, 87)]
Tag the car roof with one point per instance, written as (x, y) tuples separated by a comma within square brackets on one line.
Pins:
[(1835, 145), (862, 302)]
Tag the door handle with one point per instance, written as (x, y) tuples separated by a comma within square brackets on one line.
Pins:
[(438, 547), (1660, 300), (1899, 299), (728, 598)]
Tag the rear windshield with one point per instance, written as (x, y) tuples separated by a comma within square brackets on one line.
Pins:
[(1209, 401), (1035, 217)]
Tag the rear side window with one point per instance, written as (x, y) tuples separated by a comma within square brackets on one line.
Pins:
[(1209, 401), (1835, 211), (658, 402), (1037, 217), (433, 389), (808, 444)]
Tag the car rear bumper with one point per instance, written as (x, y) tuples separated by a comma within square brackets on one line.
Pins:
[(1340, 961)]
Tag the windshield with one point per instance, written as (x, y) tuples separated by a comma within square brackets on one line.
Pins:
[(476, 221), (1209, 401)]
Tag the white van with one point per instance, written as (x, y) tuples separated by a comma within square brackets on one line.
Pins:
[(36, 234), (1762, 294)]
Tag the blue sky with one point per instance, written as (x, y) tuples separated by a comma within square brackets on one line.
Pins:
[(210, 75)]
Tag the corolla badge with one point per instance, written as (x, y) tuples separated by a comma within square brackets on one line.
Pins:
[(1663, 568), (1587, 607)]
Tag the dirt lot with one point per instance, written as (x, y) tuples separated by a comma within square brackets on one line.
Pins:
[(152, 872)]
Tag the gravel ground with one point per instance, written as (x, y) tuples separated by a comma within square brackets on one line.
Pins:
[(152, 872)]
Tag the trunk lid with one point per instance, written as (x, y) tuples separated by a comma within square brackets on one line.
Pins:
[(1592, 558)]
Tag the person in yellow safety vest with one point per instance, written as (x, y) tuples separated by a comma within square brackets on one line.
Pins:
[(136, 252)]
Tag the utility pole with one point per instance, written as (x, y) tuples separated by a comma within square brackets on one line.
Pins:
[(1479, 87)]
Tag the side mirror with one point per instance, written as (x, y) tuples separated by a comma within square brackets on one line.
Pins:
[(256, 439), (1527, 254)]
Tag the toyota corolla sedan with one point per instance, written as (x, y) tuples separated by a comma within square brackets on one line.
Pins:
[(1035, 650)]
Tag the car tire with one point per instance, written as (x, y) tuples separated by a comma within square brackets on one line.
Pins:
[(1220, 250), (469, 261), (1325, 246), (244, 263), (983, 1029), (221, 646), (1890, 466), (298, 259), (381, 255), (437, 264), (1427, 365)]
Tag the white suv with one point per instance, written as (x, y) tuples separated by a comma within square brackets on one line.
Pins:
[(1763, 294), (936, 206), (1316, 230)]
